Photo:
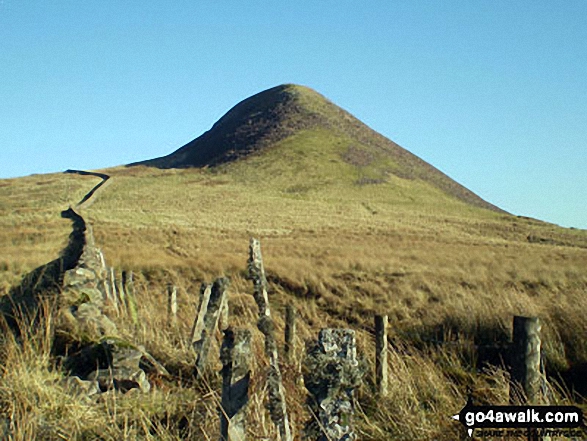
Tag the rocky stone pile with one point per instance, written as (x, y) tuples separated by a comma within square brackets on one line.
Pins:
[(102, 361)]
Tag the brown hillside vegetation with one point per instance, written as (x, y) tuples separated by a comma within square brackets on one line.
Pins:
[(347, 232)]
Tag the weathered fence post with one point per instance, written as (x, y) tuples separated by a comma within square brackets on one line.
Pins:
[(121, 292), (332, 373), (235, 355), (525, 378), (129, 288), (113, 290), (172, 305), (381, 354), (277, 405), (290, 331), (198, 327), (205, 328), (224, 317), (103, 278)]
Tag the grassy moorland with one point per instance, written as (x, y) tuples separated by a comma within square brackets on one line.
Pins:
[(345, 236)]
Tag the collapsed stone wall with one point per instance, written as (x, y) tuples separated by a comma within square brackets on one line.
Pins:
[(85, 286), (103, 360), (76, 286)]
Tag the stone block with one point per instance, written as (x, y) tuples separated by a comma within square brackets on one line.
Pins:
[(122, 379)]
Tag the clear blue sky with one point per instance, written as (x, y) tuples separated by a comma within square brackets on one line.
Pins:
[(493, 93)]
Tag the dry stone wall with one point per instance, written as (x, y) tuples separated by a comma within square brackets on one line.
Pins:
[(77, 286), (81, 302), (108, 361)]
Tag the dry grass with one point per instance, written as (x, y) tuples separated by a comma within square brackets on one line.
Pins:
[(340, 252)]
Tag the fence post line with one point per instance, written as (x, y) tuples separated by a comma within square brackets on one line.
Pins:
[(235, 355), (277, 406), (381, 354), (290, 331), (525, 360)]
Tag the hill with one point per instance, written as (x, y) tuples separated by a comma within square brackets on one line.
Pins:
[(346, 232), (297, 127)]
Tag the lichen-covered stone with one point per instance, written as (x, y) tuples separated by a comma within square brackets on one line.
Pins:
[(122, 379), (331, 373), (92, 321), (126, 357), (235, 355), (276, 402), (210, 318), (113, 363), (78, 276), (91, 295), (76, 386)]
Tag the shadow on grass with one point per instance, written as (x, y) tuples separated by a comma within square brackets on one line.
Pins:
[(482, 345), (23, 301)]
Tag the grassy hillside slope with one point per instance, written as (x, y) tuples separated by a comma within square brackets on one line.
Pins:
[(339, 249)]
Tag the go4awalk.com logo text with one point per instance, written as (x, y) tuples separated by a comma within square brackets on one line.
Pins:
[(564, 421)]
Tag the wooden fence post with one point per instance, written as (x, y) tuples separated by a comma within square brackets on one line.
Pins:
[(525, 361), (290, 331), (206, 327), (172, 305), (198, 327), (103, 283), (224, 316), (114, 291), (381, 354), (131, 303), (332, 374), (276, 404), (235, 355), (121, 292)]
